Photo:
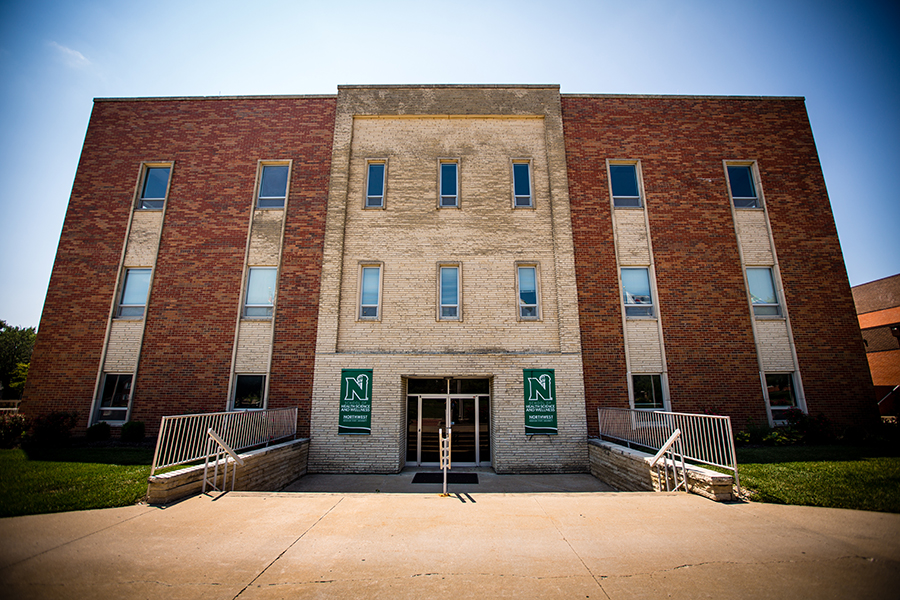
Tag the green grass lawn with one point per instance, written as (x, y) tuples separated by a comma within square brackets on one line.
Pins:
[(72, 479), (834, 476)]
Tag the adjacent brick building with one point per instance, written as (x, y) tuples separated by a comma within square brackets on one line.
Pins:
[(506, 258), (878, 310)]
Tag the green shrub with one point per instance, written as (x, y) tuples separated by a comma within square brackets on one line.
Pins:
[(51, 430), (98, 432), (12, 427), (133, 431)]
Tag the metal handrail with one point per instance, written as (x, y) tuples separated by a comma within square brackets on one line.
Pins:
[(216, 446), (668, 450), (182, 438), (706, 439)]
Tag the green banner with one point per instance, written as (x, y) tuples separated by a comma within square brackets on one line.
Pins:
[(540, 401), (356, 402)]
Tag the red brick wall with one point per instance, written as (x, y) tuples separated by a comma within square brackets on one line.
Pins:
[(70, 336), (711, 357), (191, 314)]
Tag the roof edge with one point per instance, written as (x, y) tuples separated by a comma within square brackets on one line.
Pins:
[(170, 98)]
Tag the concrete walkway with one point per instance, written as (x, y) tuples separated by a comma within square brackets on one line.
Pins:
[(472, 545)]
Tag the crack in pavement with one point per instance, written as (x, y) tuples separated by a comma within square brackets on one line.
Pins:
[(291, 545), (72, 541), (733, 562), (575, 552)]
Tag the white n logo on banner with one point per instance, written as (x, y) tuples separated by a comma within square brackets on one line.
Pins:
[(540, 388), (356, 387)]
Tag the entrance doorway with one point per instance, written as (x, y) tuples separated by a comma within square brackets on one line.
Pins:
[(467, 415)]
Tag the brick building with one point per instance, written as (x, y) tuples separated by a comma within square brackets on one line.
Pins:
[(507, 258), (878, 310)]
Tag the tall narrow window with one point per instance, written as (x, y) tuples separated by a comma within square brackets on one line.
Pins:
[(647, 391), (449, 292), (636, 290), (273, 186), (528, 293), (625, 190), (260, 299), (782, 397), (375, 185), (154, 187), (134, 293), (114, 397), (249, 392), (522, 185), (762, 292), (743, 190), (449, 184), (370, 293)]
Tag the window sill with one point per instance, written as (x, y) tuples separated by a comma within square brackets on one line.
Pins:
[(146, 209), (127, 318), (246, 318), (628, 207), (748, 208), (769, 317), (641, 318)]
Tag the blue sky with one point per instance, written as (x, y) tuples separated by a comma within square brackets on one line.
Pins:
[(55, 57)]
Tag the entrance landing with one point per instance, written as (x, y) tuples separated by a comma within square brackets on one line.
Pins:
[(489, 482)]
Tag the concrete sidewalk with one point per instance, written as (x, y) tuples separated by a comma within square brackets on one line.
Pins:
[(475, 545)]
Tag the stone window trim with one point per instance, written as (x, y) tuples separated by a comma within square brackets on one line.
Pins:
[(259, 303), (439, 314), (764, 308), (271, 201), (657, 383), (627, 201), (775, 396), (113, 403), (367, 310), (250, 392), (147, 184), (375, 191), (637, 305), (521, 200), (134, 291), (749, 188), (523, 308), (452, 198)]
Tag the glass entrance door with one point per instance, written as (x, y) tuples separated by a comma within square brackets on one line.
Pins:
[(467, 417)]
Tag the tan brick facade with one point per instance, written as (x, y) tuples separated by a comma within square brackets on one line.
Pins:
[(483, 130)]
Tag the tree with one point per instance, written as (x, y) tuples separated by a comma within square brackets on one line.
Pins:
[(16, 344)]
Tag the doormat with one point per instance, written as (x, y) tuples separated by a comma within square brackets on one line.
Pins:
[(451, 478)]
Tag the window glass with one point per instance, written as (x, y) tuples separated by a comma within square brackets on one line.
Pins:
[(375, 185), (156, 180), (449, 292), (448, 184), (426, 386), (249, 391), (762, 292), (636, 288), (273, 186), (115, 397), (134, 292), (260, 300), (528, 292), (522, 184), (647, 391), (369, 296), (780, 387), (743, 192), (624, 185)]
